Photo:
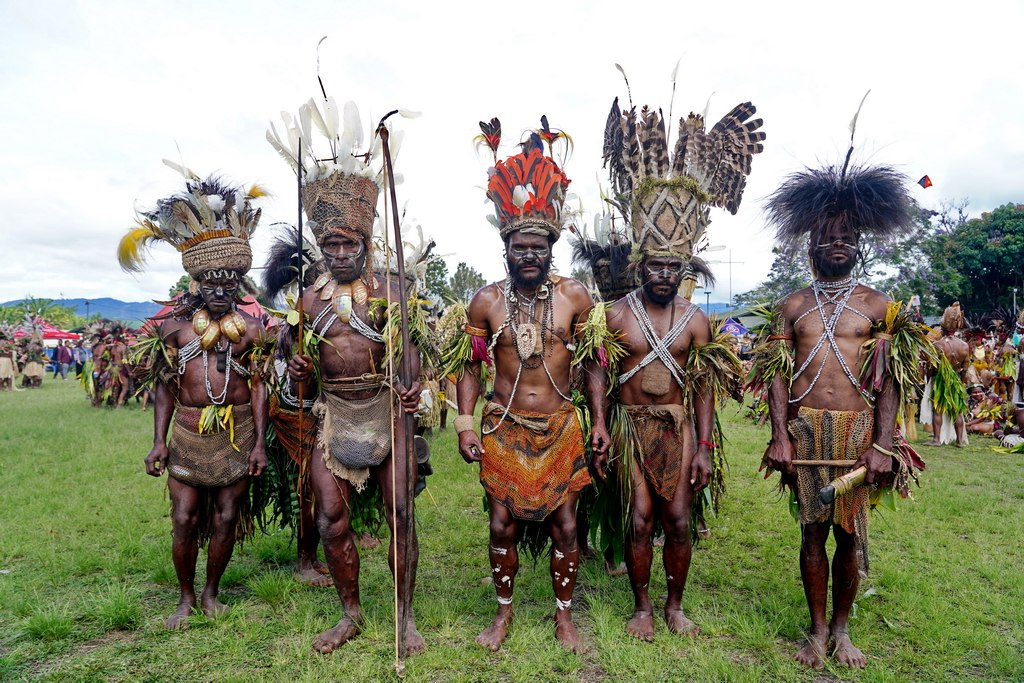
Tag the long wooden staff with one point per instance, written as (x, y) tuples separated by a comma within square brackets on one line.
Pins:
[(406, 377), (303, 464)]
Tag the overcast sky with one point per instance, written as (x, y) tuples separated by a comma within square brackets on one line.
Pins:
[(94, 94)]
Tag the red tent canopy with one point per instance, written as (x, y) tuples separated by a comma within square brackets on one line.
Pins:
[(49, 332)]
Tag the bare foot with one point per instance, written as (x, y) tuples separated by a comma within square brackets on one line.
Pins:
[(311, 577), (414, 643), (846, 653), (961, 444), (931, 442), (566, 633), (179, 620), (679, 624), (641, 626), (494, 635), (367, 541), (813, 653), (212, 607), (321, 567), (333, 638)]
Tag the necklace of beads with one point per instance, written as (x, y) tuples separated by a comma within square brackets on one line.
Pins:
[(838, 294), (547, 316)]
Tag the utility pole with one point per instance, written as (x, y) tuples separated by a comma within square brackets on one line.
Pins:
[(707, 303)]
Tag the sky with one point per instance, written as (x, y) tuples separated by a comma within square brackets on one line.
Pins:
[(94, 94)]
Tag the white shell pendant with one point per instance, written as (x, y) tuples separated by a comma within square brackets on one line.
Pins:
[(526, 340), (343, 305)]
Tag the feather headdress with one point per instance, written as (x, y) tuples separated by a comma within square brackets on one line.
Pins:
[(528, 189), (341, 176), (281, 271), (607, 256), (872, 200), (417, 251), (666, 196), (209, 222)]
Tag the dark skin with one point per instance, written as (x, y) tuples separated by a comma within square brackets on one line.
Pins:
[(100, 361), (185, 499), (118, 350), (662, 277), (528, 258), (833, 391), (346, 353), (958, 352)]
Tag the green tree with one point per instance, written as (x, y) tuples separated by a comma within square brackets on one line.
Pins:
[(986, 254), (464, 283), (180, 286), (437, 279)]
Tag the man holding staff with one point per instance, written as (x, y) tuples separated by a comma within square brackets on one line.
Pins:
[(827, 418)]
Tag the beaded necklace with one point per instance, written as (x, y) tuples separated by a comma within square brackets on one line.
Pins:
[(525, 337)]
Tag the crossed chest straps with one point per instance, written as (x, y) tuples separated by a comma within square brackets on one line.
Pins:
[(659, 345), (329, 316), (836, 294)]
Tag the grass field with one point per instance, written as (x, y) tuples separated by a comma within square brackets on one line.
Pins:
[(86, 577)]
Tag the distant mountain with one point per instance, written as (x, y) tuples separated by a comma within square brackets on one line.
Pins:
[(129, 312)]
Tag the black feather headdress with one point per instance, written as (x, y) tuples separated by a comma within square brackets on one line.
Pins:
[(282, 267), (873, 200), (613, 273)]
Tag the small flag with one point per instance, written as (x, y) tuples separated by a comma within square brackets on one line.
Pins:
[(925, 182)]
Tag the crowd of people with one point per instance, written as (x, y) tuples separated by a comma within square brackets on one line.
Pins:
[(623, 389)]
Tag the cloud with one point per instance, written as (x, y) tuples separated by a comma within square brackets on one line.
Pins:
[(97, 93)]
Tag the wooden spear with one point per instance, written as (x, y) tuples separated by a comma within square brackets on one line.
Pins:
[(406, 465)]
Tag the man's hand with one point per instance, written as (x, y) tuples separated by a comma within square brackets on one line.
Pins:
[(470, 447), (300, 368), (156, 461), (780, 456), (257, 460), (599, 443), (700, 468), (879, 465), (409, 398)]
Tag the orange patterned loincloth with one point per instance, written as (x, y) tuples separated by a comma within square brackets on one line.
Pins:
[(533, 461)]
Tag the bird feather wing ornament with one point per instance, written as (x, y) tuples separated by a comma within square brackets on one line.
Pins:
[(665, 196)]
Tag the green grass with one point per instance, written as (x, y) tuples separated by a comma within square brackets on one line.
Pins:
[(85, 544)]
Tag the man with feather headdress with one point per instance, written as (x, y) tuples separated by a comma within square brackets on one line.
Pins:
[(345, 367), (202, 359), (822, 409), (531, 449), (665, 449)]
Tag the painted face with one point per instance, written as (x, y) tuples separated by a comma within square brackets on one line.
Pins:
[(529, 259), (345, 256), (218, 294), (835, 253), (662, 276)]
